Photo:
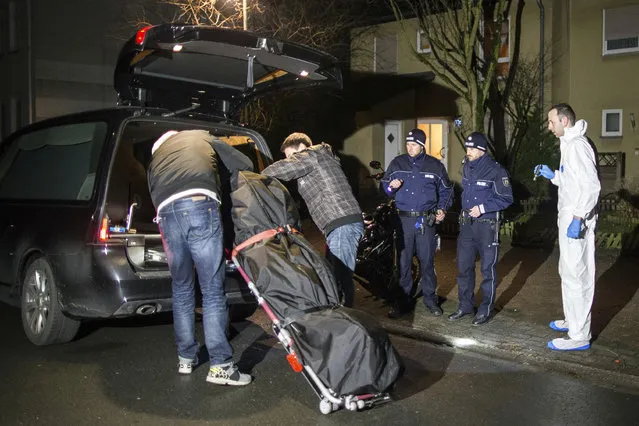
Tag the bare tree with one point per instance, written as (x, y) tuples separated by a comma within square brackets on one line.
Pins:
[(464, 38)]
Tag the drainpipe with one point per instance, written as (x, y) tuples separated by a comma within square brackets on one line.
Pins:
[(541, 53)]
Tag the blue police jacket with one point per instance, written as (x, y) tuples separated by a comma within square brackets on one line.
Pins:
[(426, 184), (486, 184)]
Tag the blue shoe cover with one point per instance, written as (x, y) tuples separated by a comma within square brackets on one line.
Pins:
[(555, 327)]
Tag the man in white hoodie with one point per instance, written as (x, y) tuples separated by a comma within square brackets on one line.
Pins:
[(578, 189)]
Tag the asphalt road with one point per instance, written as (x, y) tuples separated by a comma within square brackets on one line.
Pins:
[(124, 373)]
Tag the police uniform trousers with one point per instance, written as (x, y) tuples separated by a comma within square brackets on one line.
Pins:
[(477, 236), (422, 245)]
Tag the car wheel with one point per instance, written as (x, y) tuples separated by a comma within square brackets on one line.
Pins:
[(42, 319)]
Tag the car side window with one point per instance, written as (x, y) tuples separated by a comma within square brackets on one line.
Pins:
[(56, 163)]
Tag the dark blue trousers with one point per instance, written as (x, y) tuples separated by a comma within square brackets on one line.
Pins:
[(411, 242), (477, 237)]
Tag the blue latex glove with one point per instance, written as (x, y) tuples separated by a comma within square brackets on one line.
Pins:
[(544, 170), (574, 229)]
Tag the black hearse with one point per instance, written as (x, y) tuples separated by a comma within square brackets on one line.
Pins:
[(77, 238)]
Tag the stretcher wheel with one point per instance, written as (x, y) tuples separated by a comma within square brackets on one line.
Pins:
[(361, 404), (325, 406)]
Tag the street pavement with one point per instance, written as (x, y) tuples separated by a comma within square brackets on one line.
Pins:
[(528, 298), (123, 372)]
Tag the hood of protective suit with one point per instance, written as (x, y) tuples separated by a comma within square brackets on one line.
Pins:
[(579, 129)]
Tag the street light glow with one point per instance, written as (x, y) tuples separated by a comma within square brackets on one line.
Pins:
[(464, 342)]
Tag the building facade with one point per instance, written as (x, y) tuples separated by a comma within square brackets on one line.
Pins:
[(56, 58), (592, 58)]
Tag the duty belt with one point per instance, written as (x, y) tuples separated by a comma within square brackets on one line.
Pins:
[(465, 218), (411, 214)]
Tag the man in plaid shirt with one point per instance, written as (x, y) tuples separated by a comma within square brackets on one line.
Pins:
[(333, 208)]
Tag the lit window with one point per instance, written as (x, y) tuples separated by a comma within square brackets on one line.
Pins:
[(503, 60), (611, 122), (621, 30), (423, 46)]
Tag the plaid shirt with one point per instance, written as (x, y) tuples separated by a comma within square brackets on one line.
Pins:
[(322, 184)]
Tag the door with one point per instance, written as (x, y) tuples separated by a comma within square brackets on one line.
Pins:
[(392, 141), (437, 138), (214, 70)]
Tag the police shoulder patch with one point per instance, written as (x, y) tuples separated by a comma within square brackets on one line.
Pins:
[(505, 181)]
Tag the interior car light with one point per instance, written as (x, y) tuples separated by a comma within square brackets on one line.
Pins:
[(304, 73), (141, 35)]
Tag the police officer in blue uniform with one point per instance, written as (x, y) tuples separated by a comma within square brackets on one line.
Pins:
[(422, 191), (486, 192)]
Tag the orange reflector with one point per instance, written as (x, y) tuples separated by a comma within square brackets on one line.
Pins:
[(141, 34), (103, 235), (293, 361)]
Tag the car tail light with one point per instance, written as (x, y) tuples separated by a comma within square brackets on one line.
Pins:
[(294, 362), (141, 35), (103, 233)]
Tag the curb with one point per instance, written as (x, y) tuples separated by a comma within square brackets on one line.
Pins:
[(604, 377)]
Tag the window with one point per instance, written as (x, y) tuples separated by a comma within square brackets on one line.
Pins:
[(385, 58), (621, 30), (57, 163), (611, 122), (423, 46), (503, 60)]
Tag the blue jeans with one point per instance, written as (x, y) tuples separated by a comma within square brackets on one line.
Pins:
[(342, 245), (192, 236)]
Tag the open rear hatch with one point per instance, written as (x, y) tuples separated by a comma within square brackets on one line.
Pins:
[(213, 70)]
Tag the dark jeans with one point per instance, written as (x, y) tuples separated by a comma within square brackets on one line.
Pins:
[(411, 242), (477, 237), (192, 236)]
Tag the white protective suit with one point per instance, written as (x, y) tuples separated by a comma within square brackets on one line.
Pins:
[(579, 188)]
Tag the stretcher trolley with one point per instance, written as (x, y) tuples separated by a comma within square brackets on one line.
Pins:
[(345, 356)]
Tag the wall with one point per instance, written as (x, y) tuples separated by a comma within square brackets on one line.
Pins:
[(14, 65), (600, 82), (74, 63)]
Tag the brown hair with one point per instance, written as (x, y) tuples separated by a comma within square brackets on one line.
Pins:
[(295, 139)]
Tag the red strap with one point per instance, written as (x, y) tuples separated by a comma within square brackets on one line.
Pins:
[(261, 236)]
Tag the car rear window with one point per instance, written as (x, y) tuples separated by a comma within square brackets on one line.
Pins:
[(56, 163)]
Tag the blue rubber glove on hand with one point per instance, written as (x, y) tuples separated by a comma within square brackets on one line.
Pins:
[(574, 229), (544, 170)]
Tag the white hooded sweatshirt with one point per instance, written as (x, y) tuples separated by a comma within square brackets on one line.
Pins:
[(577, 175)]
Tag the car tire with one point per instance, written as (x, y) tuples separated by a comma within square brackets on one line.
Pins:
[(43, 321)]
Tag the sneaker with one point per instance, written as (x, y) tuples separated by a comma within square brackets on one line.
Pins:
[(228, 374), (567, 344), (186, 366), (559, 325)]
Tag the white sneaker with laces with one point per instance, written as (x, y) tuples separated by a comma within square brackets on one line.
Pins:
[(186, 366), (228, 374)]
